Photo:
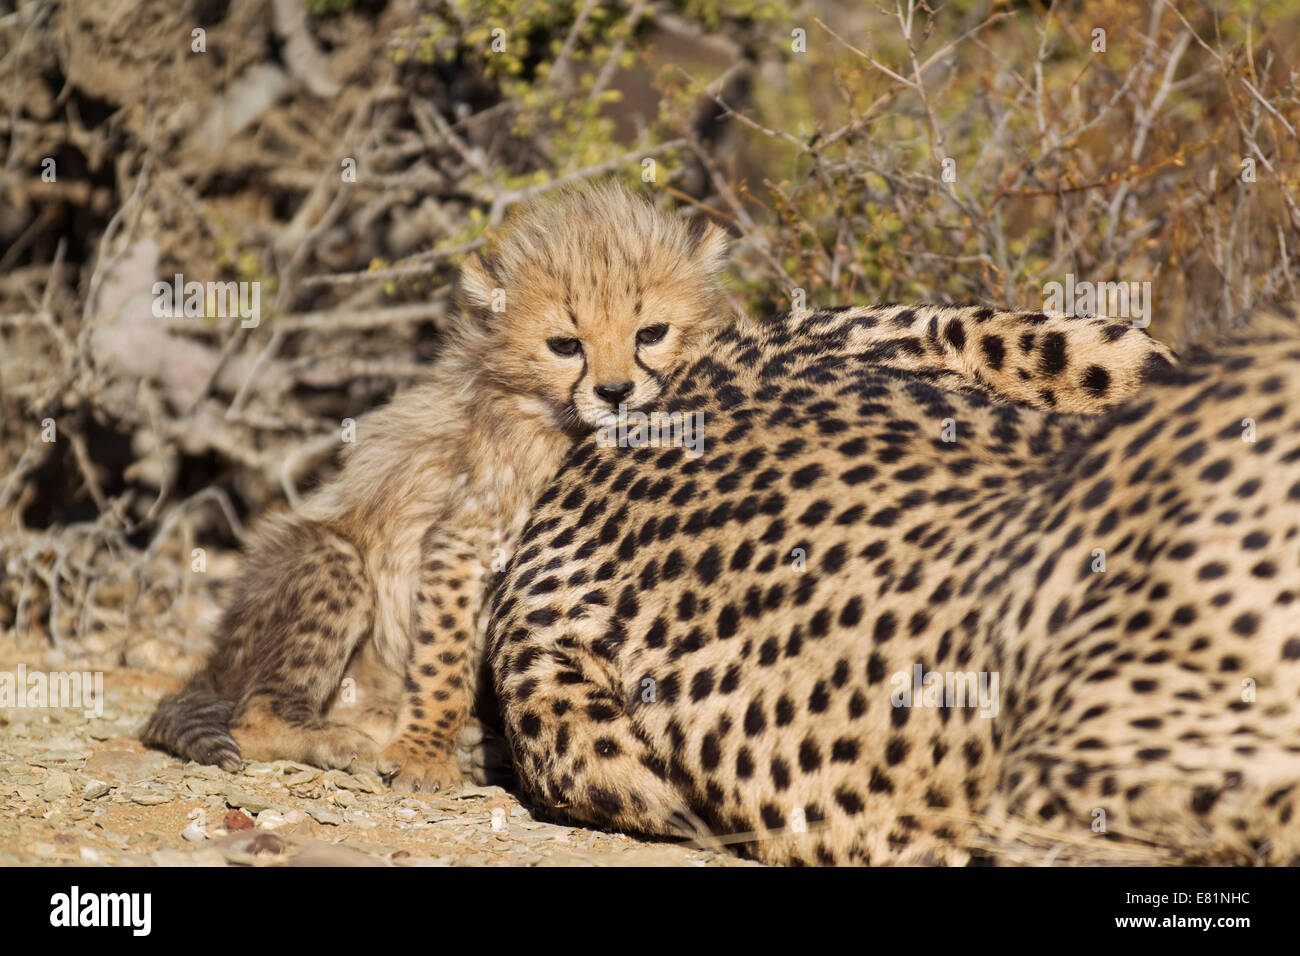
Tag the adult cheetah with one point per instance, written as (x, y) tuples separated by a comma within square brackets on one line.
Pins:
[(741, 642)]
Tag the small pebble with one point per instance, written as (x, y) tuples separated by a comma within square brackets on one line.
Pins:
[(147, 798), (235, 797), (194, 833), (266, 844), (323, 814), (94, 790), (237, 820), (270, 820), (57, 787)]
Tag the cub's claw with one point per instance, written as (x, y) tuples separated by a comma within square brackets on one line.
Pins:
[(413, 770)]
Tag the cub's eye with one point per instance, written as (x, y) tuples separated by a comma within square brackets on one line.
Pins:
[(651, 334), (562, 346)]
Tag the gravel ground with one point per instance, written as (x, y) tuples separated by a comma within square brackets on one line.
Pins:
[(78, 789)]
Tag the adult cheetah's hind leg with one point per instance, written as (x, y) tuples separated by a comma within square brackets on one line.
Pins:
[(1114, 809), (577, 746)]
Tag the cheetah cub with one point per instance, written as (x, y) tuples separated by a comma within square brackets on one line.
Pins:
[(587, 302)]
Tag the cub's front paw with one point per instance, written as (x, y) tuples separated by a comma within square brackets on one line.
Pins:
[(413, 768)]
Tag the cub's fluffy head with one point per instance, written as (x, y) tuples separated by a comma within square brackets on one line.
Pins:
[(590, 299)]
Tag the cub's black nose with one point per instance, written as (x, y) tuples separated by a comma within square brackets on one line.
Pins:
[(614, 393)]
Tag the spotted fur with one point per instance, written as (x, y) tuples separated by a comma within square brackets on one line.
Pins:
[(352, 634), (711, 646)]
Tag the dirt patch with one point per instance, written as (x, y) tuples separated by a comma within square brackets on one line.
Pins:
[(78, 788)]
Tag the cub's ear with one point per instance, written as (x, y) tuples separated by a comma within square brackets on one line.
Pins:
[(709, 242), (478, 287)]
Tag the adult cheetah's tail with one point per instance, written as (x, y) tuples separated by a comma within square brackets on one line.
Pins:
[(195, 723)]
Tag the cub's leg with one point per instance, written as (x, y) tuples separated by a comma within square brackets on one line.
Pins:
[(438, 690), (270, 728), (370, 694), (302, 608)]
